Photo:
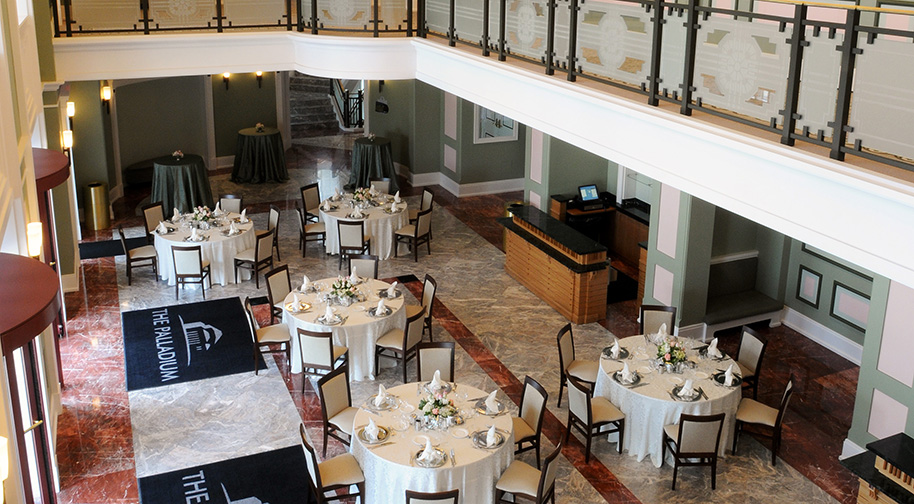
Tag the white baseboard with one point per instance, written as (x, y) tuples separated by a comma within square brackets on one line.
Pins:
[(850, 448), (224, 162), (70, 283), (422, 179), (694, 331), (461, 190), (822, 335)]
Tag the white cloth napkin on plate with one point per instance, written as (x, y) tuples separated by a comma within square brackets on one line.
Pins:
[(392, 290), (686, 390), (713, 351), (663, 329), (161, 229), (397, 197), (428, 454), (614, 350), (193, 235), (372, 190), (626, 373), (218, 209), (435, 384), (233, 229), (296, 303), (244, 217), (491, 404), (305, 283), (491, 437), (728, 376), (328, 314), (326, 205), (380, 309), (336, 194), (393, 206), (357, 213), (382, 395), (353, 277), (176, 215), (371, 430)]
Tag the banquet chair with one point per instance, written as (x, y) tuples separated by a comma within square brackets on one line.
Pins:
[(311, 201), (273, 225), (583, 370), (279, 285), (382, 185), (309, 231), (590, 414), (653, 316), (528, 427), (365, 265), (749, 358), (415, 234), (276, 334), (353, 239), (190, 267), (694, 441), (431, 357), (258, 258), (445, 497), (138, 257), (399, 344), (340, 472), (753, 412), (522, 480), (231, 203), (318, 354), (153, 214), (424, 204), (336, 406), (429, 289)]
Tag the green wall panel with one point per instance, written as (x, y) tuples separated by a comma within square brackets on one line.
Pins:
[(90, 141), (242, 105)]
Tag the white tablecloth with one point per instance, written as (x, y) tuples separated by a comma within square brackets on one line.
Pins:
[(218, 249), (379, 224), (387, 469), (359, 332), (649, 407)]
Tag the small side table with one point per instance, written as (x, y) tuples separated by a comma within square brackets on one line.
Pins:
[(181, 183), (259, 157)]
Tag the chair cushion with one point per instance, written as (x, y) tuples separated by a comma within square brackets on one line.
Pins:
[(392, 339), (744, 371), (340, 470), (752, 411), (317, 227), (413, 214), (585, 370), (605, 411), (144, 252), (344, 420), (519, 478), (246, 255), (672, 432), (407, 230), (412, 310), (338, 351), (522, 430), (276, 333)]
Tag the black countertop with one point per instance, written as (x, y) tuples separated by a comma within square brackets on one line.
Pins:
[(636, 209), (898, 450), (558, 230), (863, 466)]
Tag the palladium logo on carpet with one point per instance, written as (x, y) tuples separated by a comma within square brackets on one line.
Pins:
[(196, 489), (198, 337)]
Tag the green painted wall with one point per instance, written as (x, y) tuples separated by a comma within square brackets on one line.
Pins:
[(571, 166), (44, 36), (91, 146), (60, 195), (427, 130), (732, 233), (870, 378), (486, 162), (157, 117), (399, 122), (242, 105), (696, 229), (773, 258)]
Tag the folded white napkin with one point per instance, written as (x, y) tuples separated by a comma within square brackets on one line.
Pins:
[(491, 437), (354, 277), (435, 384), (663, 329), (491, 404), (296, 303), (244, 217), (728, 376), (305, 283), (357, 213), (336, 194), (218, 209), (392, 290), (328, 314), (161, 229), (393, 206), (397, 197), (614, 351), (382, 395), (428, 454), (626, 373), (381, 309), (232, 228), (373, 190), (193, 235), (686, 390), (326, 205), (713, 351), (176, 215), (372, 430)]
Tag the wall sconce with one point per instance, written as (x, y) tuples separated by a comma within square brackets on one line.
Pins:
[(259, 75), (380, 85), (71, 109), (106, 97), (33, 235), (225, 79)]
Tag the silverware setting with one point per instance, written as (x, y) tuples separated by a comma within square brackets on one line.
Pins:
[(372, 447), (453, 458)]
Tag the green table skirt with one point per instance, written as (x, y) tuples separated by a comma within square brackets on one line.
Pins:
[(259, 157), (181, 183), (371, 159)]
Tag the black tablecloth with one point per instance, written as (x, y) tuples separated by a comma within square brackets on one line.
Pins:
[(259, 157), (371, 159), (181, 183)]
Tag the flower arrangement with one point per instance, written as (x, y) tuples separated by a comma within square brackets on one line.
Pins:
[(178, 154), (202, 214), (361, 194), (371, 137), (342, 288), (437, 405), (670, 351), (259, 127)]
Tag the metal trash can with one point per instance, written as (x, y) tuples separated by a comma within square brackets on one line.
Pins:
[(96, 206), (511, 205)]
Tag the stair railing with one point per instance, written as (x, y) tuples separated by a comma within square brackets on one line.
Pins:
[(348, 105)]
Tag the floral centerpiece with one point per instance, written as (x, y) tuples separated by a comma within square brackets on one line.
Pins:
[(361, 195), (436, 406), (202, 214), (671, 354), (343, 290), (177, 154), (259, 127)]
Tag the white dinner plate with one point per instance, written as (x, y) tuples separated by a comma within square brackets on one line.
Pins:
[(701, 375), (644, 370), (460, 433), (421, 439), (675, 380)]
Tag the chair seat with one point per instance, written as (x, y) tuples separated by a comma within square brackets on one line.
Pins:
[(340, 470), (317, 227), (522, 430), (519, 478), (412, 310), (246, 255), (144, 252), (752, 411), (672, 432), (392, 339), (338, 352), (276, 333), (605, 411), (407, 230), (344, 419), (584, 370), (744, 371)]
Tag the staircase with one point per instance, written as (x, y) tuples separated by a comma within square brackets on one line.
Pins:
[(310, 107)]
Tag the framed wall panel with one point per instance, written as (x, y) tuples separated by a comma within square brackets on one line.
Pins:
[(809, 284), (850, 306)]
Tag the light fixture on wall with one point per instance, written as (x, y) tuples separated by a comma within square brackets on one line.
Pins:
[(33, 237), (106, 97), (381, 85), (259, 75), (71, 112), (225, 79), (67, 140)]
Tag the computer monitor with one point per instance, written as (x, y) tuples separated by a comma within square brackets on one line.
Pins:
[(589, 192)]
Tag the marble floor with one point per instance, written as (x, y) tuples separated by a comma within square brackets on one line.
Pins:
[(109, 437)]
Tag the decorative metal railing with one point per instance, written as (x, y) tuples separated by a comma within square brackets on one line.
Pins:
[(832, 75), (349, 104)]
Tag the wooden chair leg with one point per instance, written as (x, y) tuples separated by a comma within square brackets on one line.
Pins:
[(675, 470), (587, 446), (326, 431), (561, 386), (536, 448)]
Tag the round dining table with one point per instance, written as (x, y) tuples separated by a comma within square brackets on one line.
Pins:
[(380, 224), (649, 405), (391, 469), (259, 157), (181, 182), (359, 330), (217, 247)]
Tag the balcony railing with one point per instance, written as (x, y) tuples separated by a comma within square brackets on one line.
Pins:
[(829, 75)]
